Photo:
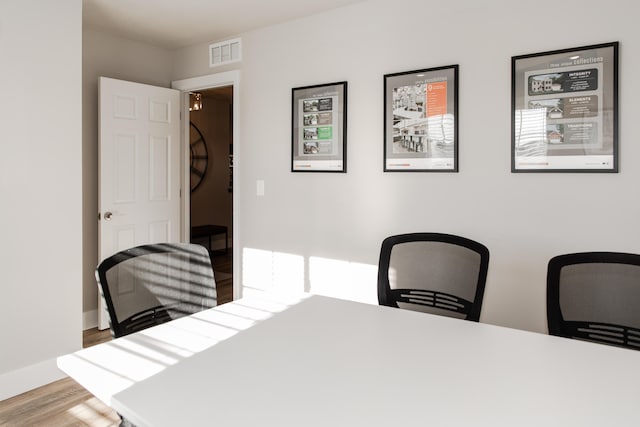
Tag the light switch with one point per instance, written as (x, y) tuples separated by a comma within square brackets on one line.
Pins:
[(259, 187)]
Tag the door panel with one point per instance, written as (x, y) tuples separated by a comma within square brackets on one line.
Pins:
[(125, 175), (139, 168), (160, 173)]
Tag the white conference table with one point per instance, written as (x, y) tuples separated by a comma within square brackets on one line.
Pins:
[(317, 361)]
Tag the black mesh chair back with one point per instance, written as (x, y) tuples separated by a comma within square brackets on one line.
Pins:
[(433, 273), (152, 284), (595, 296)]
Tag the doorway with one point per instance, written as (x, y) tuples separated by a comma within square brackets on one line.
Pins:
[(199, 84), (211, 180)]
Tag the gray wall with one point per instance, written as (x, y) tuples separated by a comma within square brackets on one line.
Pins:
[(40, 184), (322, 232)]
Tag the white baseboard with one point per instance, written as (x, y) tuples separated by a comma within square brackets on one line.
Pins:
[(90, 319), (28, 378)]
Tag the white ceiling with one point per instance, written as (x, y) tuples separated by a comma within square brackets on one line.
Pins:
[(172, 24)]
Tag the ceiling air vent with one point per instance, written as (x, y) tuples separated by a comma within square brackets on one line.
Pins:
[(225, 52)]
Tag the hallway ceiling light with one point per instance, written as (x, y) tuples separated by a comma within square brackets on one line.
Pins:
[(195, 101)]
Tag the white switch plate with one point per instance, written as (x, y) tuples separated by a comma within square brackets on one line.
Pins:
[(259, 187)]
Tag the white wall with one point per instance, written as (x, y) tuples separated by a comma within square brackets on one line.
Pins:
[(118, 58), (308, 226), (40, 184)]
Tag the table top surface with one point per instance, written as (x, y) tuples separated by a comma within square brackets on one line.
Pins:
[(312, 360)]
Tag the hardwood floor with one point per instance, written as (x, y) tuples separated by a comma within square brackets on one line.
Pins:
[(65, 403), (223, 270)]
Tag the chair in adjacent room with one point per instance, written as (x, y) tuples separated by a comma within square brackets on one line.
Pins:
[(433, 273), (595, 296), (152, 284)]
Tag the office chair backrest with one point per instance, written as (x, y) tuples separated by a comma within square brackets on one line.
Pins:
[(595, 296), (433, 273), (152, 284)]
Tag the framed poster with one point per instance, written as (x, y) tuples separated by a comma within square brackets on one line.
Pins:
[(421, 120), (319, 128), (564, 108)]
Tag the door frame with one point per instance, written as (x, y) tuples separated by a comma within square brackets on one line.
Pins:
[(210, 81)]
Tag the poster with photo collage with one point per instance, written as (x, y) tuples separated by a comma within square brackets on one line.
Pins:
[(319, 128)]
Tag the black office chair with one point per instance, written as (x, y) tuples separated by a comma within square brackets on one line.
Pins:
[(595, 296), (433, 273), (152, 284)]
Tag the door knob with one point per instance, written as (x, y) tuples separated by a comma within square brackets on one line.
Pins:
[(107, 216)]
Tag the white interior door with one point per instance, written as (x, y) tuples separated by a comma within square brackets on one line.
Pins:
[(139, 168)]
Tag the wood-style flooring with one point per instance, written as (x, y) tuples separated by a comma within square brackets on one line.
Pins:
[(65, 403), (223, 270)]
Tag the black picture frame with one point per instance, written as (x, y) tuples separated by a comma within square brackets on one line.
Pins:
[(421, 120), (319, 128), (564, 110)]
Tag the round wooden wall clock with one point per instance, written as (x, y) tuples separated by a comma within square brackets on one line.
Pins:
[(199, 156)]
